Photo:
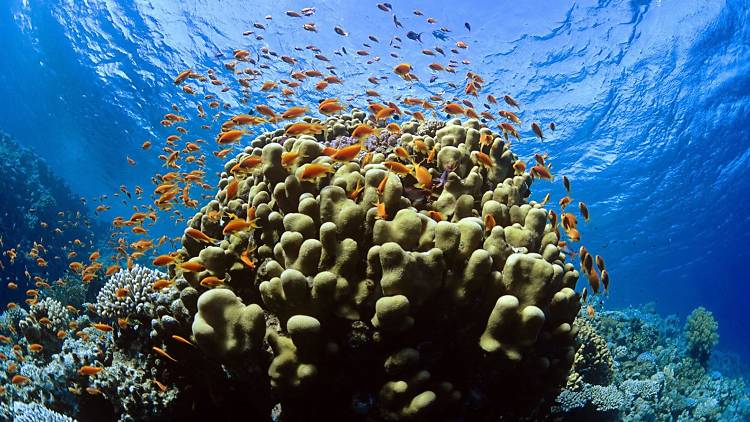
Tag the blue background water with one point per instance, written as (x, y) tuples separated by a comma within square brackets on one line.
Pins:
[(651, 100)]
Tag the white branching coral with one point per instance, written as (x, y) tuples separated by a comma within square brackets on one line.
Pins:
[(54, 311), (139, 299), (34, 412)]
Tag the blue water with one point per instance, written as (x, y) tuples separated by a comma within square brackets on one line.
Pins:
[(651, 101)]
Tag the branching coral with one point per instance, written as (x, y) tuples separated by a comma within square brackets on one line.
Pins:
[(137, 298), (701, 333), (593, 362), (34, 412), (46, 318), (438, 296)]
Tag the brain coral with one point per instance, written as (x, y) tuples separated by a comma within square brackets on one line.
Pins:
[(365, 291)]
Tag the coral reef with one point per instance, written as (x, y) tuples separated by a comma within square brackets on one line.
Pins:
[(46, 318), (38, 207), (34, 412), (593, 363), (701, 334), (371, 291), (129, 383), (415, 281), (654, 374), (136, 299)]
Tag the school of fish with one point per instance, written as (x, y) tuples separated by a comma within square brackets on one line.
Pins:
[(217, 110)]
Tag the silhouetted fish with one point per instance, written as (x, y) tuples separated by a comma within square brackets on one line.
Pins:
[(339, 30), (440, 35), (414, 36)]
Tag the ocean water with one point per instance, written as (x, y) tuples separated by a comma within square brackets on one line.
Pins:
[(650, 100)]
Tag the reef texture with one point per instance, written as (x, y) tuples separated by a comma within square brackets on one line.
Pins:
[(34, 412), (361, 291), (701, 334), (40, 214), (654, 374), (132, 383)]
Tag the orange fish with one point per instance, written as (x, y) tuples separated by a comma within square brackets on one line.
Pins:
[(347, 153), (330, 107), (160, 386), (294, 112), (397, 167), (402, 69), (510, 116), (357, 190), (573, 234), (436, 215), (35, 347), (89, 370), (103, 327), (199, 235), (302, 128), (182, 76), (19, 379), (453, 108), (111, 270), (542, 172), (605, 280), (584, 211), (191, 266), (182, 340), (384, 113), (381, 213), (314, 171), (211, 282), (362, 130), (510, 101), (230, 137), (266, 111), (161, 283), (489, 222), (163, 353), (245, 258), (483, 159), (163, 260), (600, 263), (236, 225), (247, 163), (537, 130), (288, 158), (423, 176)]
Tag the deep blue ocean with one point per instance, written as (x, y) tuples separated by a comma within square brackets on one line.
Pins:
[(651, 101)]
